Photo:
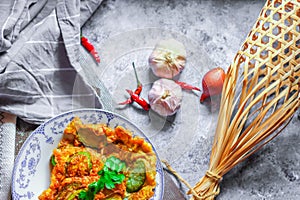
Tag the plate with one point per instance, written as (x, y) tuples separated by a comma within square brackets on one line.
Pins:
[(31, 174)]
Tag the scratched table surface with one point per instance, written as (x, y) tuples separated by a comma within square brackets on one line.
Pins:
[(212, 32)]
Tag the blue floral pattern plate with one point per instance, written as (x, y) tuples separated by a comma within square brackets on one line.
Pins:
[(31, 175)]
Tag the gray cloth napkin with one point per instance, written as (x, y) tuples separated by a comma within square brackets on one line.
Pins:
[(15, 15), (40, 70)]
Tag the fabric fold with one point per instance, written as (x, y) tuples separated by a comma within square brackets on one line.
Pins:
[(15, 15), (40, 71), (38, 68)]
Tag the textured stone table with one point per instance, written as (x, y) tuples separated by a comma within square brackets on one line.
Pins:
[(212, 31)]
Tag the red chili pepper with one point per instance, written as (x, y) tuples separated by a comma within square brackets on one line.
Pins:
[(128, 101), (142, 102), (90, 48), (186, 86), (137, 91)]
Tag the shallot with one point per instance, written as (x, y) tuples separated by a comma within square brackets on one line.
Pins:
[(212, 83)]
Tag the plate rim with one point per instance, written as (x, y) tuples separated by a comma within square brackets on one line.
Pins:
[(28, 139)]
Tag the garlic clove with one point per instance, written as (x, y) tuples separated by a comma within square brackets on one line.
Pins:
[(168, 58), (165, 97)]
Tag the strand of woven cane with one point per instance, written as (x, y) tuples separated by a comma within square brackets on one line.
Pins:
[(234, 139), (269, 93), (209, 174)]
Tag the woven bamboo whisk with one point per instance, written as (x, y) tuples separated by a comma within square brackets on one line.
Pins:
[(260, 92)]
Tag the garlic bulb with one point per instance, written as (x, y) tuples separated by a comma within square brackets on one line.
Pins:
[(165, 97), (168, 58)]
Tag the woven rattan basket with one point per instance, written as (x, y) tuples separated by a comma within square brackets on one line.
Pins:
[(260, 92)]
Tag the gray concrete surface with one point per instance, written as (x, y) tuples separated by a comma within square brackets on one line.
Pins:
[(212, 31)]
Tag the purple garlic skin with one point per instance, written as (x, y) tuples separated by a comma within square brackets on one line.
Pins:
[(168, 58), (165, 97)]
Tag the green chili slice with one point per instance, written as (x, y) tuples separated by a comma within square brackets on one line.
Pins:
[(136, 177)]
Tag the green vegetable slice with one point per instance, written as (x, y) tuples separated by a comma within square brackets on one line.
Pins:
[(52, 160), (136, 177), (80, 153), (75, 194), (68, 191)]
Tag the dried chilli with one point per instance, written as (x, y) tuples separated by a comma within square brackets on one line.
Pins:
[(186, 86), (139, 100), (90, 48), (137, 91)]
